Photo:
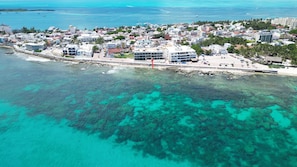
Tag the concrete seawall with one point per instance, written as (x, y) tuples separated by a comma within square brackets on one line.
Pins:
[(141, 64)]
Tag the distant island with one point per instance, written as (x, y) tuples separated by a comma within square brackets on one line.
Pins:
[(24, 10)]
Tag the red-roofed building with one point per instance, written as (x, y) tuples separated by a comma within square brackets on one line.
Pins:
[(112, 51)]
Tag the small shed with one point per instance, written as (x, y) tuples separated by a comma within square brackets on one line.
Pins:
[(272, 60)]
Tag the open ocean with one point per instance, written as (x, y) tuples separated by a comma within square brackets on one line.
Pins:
[(114, 14), (56, 114)]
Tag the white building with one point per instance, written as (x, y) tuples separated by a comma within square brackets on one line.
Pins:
[(264, 36), (72, 29), (111, 45), (70, 50), (34, 46), (5, 28), (148, 53), (142, 42), (196, 40), (85, 50), (174, 31), (179, 53), (218, 49), (87, 38), (291, 22)]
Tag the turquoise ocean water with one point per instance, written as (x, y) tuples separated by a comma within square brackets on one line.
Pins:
[(90, 13), (62, 114)]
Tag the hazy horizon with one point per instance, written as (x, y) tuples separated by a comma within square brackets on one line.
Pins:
[(146, 3)]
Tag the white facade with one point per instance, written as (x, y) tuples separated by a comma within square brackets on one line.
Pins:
[(291, 22), (218, 49), (264, 36), (82, 52), (148, 53), (5, 28), (143, 42), (85, 50), (72, 29), (111, 45), (70, 50), (179, 53), (87, 38), (34, 46)]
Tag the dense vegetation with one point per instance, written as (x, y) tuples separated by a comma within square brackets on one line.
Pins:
[(26, 30), (99, 40), (222, 40), (120, 37), (294, 31), (259, 24), (198, 49), (160, 35), (256, 24), (285, 51)]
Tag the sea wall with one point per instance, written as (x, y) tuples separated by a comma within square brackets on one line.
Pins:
[(144, 64)]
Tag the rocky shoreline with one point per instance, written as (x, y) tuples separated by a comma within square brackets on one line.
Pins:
[(187, 70)]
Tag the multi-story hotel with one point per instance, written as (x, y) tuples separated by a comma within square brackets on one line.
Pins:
[(179, 53), (148, 54)]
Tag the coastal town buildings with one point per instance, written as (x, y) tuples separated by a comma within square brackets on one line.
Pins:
[(88, 37), (291, 22), (169, 44)]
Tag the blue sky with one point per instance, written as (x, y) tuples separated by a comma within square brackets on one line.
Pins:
[(159, 3)]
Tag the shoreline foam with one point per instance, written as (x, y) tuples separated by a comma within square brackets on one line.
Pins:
[(186, 68)]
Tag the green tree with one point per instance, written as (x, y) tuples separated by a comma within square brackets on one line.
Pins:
[(294, 31), (222, 40), (120, 37), (159, 29), (99, 40), (197, 49), (231, 49), (31, 30), (259, 24), (156, 36), (95, 48)]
